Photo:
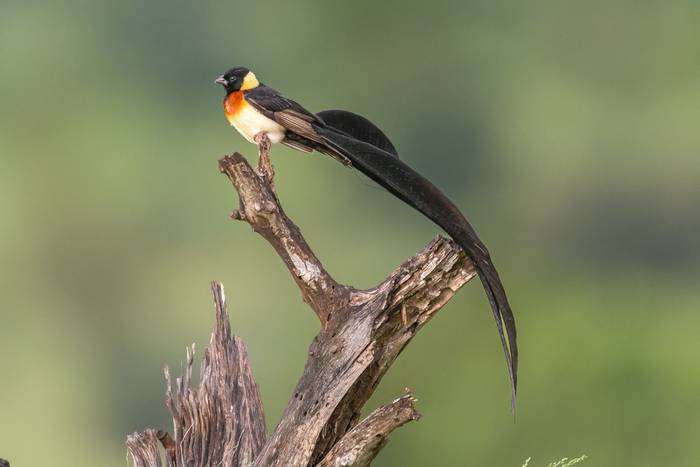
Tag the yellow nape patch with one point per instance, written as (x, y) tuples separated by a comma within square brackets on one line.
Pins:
[(250, 81)]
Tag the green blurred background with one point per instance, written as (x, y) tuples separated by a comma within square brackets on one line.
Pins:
[(567, 132)]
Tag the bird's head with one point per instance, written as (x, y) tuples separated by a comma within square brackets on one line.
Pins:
[(238, 79)]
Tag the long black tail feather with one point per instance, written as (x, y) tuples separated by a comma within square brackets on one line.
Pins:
[(402, 181)]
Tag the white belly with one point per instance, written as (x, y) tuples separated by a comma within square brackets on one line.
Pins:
[(249, 122)]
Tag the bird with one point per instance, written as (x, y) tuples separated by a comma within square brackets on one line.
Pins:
[(253, 109)]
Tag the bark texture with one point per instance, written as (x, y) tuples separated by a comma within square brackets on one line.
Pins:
[(221, 423)]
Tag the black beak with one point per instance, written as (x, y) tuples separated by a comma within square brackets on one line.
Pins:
[(220, 80)]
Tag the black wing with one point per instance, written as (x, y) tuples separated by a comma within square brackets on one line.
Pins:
[(295, 118), (286, 112), (269, 101)]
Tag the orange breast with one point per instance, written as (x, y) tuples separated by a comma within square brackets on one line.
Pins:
[(233, 104)]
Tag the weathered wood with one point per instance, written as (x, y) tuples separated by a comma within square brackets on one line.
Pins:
[(361, 445), (362, 333), (260, 208), (143, 449), (221, 423), (350, 356)]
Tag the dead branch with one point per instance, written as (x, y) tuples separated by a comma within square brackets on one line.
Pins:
[(362, 333), (361, 445)]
